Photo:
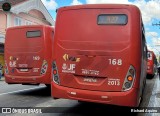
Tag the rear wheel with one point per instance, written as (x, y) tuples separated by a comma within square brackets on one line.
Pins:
[(141, 98), (150, 76), (48, 85), (144, 84), (83, 102)]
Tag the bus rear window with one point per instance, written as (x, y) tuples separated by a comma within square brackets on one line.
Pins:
[(112, 19), (33, 34)]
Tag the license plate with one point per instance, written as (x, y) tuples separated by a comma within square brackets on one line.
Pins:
[(90, 80), (23, 70)]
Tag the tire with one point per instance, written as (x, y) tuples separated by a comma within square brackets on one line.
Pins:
[(48, 85)]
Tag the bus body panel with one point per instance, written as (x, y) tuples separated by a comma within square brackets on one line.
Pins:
[(24, 55), (128, 98), (28, 79), (96, 58), (151, 63)]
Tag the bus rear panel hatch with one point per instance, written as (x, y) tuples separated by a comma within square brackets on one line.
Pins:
[(99, 54), (28, 54)]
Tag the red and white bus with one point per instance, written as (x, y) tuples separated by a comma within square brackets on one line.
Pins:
[(151, 64), (28, 54), (100, 54)]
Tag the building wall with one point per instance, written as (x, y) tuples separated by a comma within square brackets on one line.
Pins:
[(37, 14), (9, 19), (3, 22), (29, 19)]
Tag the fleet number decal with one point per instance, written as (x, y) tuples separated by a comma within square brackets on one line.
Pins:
[(113, 82), (115, 61), (36, 57)]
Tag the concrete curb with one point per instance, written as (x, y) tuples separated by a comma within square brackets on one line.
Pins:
[(2, 79)]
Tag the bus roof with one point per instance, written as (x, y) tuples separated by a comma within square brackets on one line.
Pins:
[(29, 26), (127, 6)]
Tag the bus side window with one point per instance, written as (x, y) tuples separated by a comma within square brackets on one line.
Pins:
[(148, 55), (144, 43), (155, 61), (52, 35)]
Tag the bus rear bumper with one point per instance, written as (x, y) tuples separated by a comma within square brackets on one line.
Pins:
[(128, 98), (150, 72), (45, 79)]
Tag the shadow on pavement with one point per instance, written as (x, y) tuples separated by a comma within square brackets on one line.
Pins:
[(86, 109), (40, 92)]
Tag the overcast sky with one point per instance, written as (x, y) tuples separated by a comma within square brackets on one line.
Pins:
[(150, 13)]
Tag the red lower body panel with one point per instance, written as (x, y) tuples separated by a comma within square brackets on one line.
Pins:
[(150, 71), (128, 98), (45, 79)]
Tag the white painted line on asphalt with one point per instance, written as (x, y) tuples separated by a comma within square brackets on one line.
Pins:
[(153, 99), (157, 100), (20, 90), (153, 96)]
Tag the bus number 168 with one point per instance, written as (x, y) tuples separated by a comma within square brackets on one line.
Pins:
[(115, 61)]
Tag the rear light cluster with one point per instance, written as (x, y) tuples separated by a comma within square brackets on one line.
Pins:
[(148, 63), (130, 77), (44, 67), (55, 73), (6, 68)]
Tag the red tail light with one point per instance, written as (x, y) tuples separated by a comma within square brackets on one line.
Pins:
[(44, 67), (55, 73), (129, 79)]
